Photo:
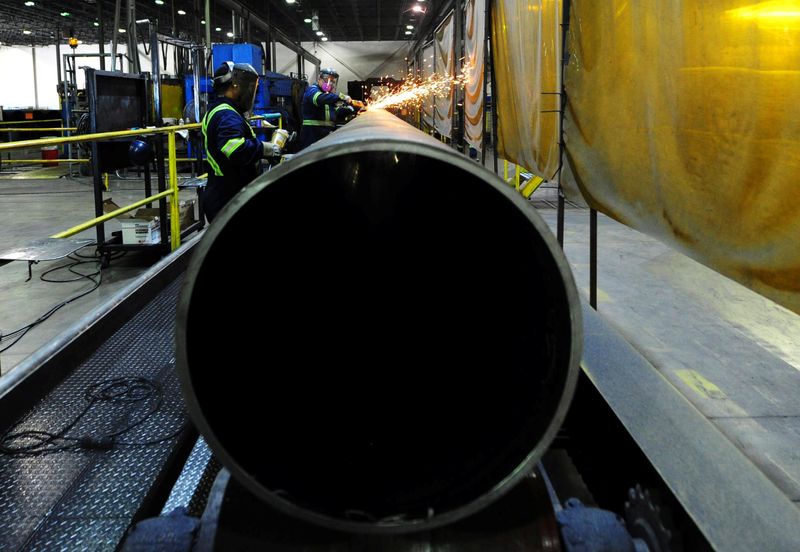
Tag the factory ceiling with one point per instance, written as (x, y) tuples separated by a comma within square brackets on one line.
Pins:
[(39, 22)]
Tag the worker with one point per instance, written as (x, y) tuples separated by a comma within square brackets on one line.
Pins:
[(232, 150), (319, 107)]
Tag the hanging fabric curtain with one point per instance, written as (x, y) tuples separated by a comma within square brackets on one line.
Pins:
[(526, 43), (444, 66), (474, 42), (683, 122), (427, 71)]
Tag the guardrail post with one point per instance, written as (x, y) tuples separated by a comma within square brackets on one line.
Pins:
[(175, 224)]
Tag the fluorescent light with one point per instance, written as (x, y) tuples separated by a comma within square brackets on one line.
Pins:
[(29, 4), (320, 33), (229, 34), (202, 21), (218, 29), (417, 9), (290, 1), (26, 31), (409, 27), (64, 14), (181, 12), (307, 20), (160, 2), (122, 30), (96, 24), (408, 32), (324, 39)]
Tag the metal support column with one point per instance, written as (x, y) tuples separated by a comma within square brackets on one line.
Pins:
[(593, 258), (457, 132), (562, 107), (35, 83), (484, 120), (101, 40), (114, 35), (494, 91), (133, 49)]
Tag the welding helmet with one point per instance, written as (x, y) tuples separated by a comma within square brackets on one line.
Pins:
[(329, 78), (243, 78)]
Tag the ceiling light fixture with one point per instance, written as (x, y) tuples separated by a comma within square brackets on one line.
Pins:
[(202, 21), (229, 34), (29, 4), (324, 39), (409, 27), (160, 2), (408, 32), (307, 20), (64, 14), (218, 29), (181, 12), (417, 9), (320, 33), (122, 30), (290, 1), (26, 31), (96, 24)]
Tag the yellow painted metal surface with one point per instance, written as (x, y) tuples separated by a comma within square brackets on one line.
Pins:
[(531, 185), (683, 123), (98, 136), (37, 129), (700, 384), (171, 100), (526, 44), (108, 216), (175, 217)]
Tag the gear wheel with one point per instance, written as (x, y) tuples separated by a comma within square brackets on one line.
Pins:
[(647, 519)]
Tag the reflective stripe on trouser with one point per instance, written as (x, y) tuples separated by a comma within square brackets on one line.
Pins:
[(314, 122)]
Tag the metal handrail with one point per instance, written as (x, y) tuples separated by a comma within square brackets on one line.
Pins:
[(175, 224), (96, 136)]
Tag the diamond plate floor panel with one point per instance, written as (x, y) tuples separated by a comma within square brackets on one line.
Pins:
[(84, 500)]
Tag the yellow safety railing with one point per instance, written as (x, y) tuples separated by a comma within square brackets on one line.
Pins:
[(39, 129), (36, 161), (30, 122), (530, 186), (172, 192)]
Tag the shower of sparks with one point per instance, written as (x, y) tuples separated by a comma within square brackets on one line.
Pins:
[(416, 93)]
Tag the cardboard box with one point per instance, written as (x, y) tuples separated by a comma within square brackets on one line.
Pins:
[(144, 226), (141, 230)]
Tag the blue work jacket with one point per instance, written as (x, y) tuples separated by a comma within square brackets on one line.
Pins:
[(233, 154)]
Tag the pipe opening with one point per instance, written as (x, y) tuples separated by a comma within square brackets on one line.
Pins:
[(401, 349)]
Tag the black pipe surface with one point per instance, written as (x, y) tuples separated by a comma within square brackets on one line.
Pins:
[(378, 335)]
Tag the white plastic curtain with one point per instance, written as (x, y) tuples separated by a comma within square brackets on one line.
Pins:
[(474, 44), (426, 66), (444, 65)]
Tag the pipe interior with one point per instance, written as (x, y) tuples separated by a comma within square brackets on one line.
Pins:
[(401, 348)]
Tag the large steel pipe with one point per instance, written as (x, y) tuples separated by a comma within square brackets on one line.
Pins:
[(378, 335)]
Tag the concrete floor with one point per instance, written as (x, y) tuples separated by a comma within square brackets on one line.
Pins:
[(34, 208), (734, 354)]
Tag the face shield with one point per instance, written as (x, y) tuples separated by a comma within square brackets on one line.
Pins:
[(328, 83), (246, 81)]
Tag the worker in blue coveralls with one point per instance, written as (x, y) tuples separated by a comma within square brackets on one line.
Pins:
[(319, 107), (232, 150)]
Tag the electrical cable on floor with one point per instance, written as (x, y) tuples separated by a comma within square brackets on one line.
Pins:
[(123, 391), (81, 260)]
